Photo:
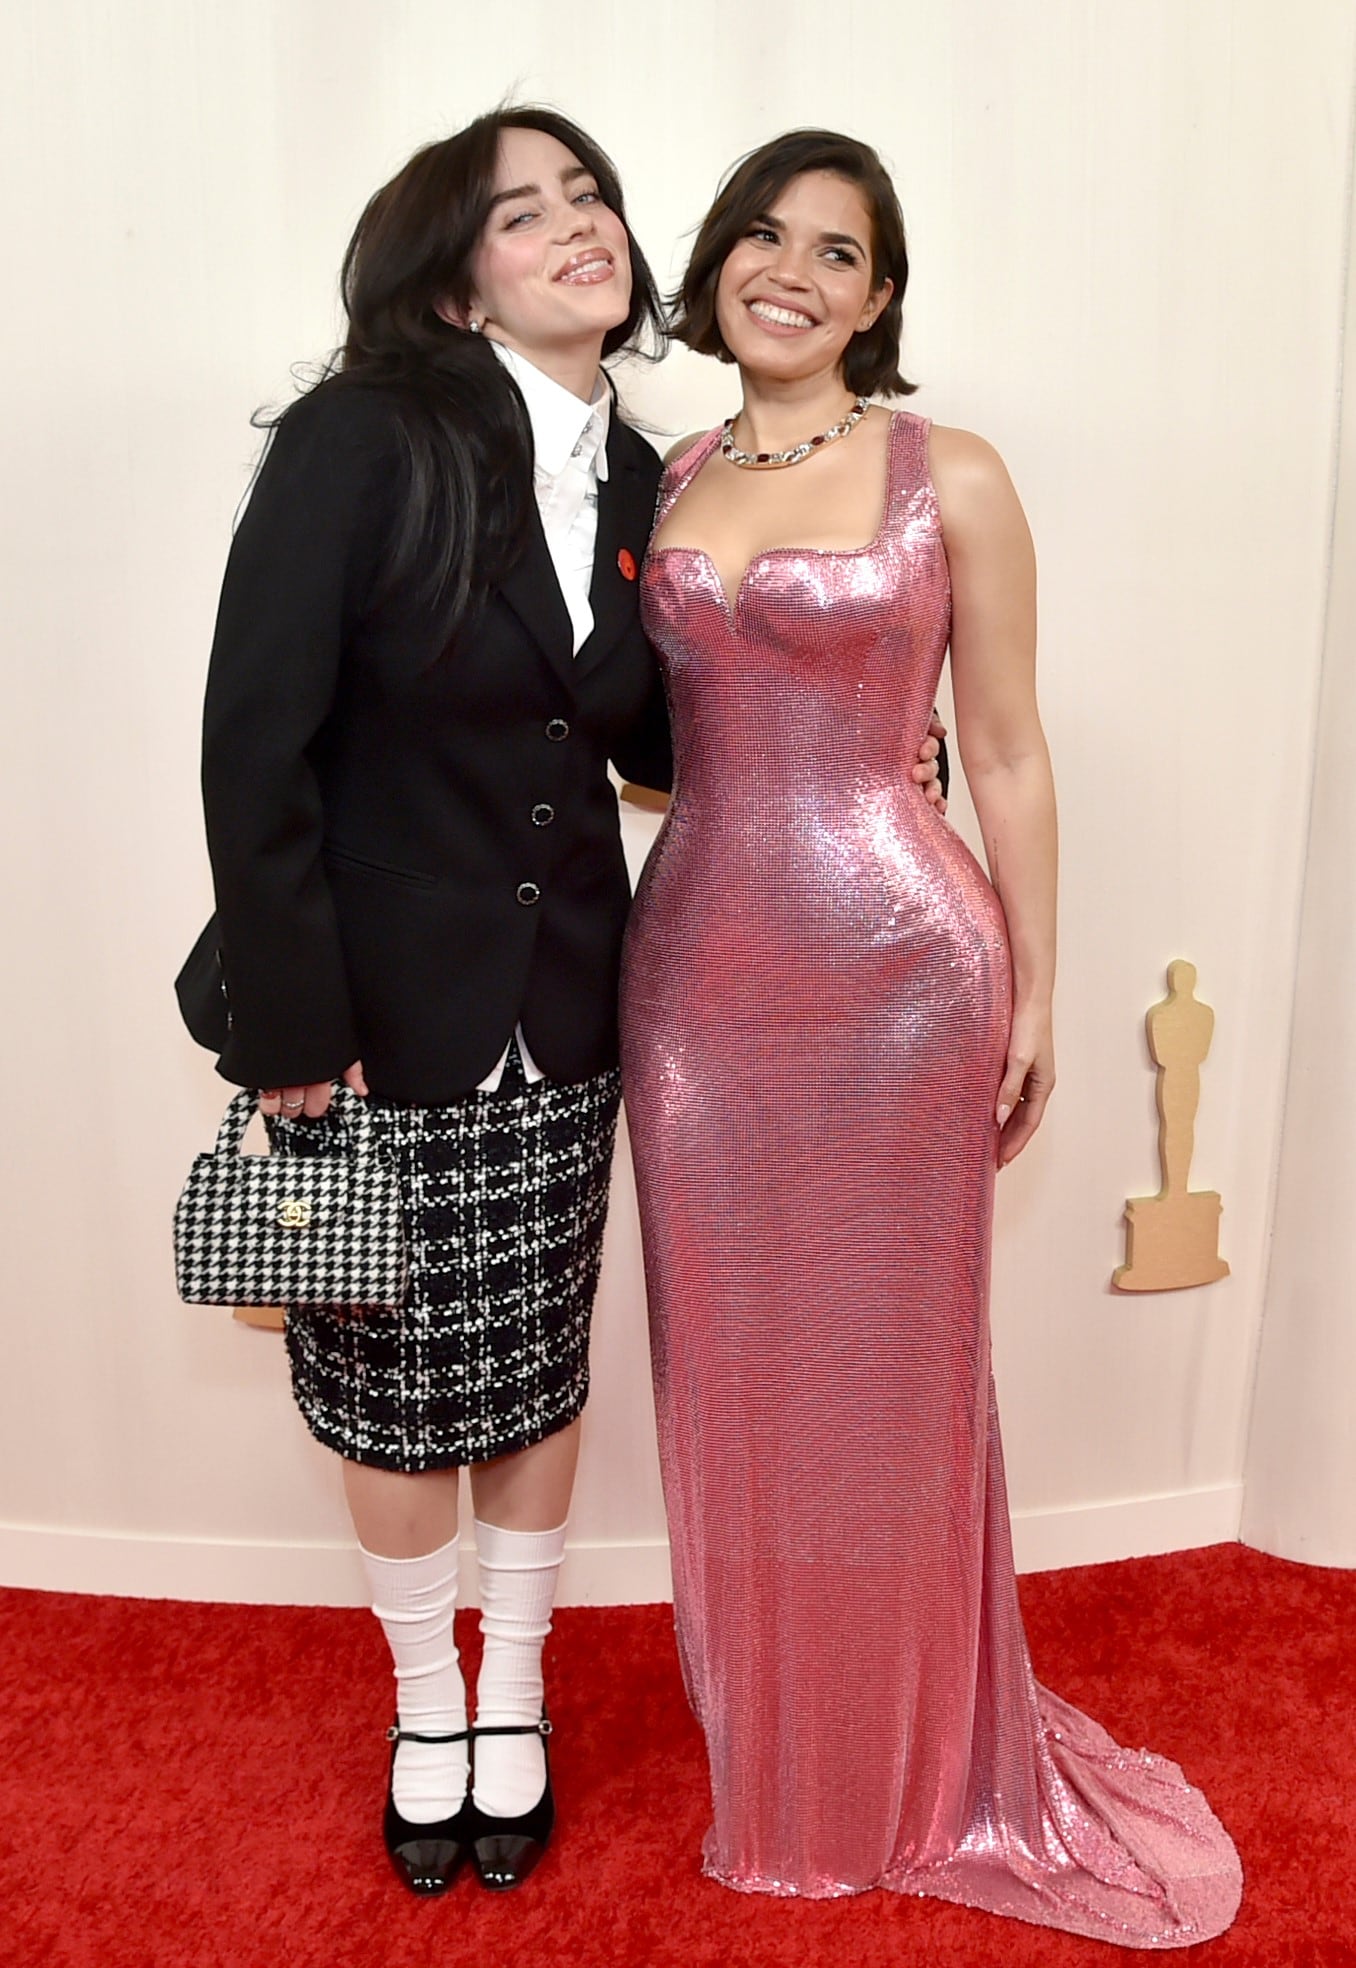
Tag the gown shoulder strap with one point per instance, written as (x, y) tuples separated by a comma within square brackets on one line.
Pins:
[(910, 474), (680, 473)]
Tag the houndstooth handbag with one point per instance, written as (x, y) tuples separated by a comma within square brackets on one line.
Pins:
[(291, 1229)]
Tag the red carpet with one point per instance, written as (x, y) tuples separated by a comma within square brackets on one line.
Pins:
[(201, 1785)]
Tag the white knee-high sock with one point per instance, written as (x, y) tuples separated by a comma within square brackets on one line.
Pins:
[(517, 1586), (415, 1598)]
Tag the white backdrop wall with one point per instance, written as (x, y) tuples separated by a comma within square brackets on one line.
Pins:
[(1300, 1496), (1127, 221)]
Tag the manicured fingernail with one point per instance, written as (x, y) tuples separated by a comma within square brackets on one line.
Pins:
[(1003, 1113)]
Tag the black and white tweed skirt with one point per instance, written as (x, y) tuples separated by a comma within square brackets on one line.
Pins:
[(505, 1197)]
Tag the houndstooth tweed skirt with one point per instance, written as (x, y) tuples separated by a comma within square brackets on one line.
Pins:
[(504, 1197)]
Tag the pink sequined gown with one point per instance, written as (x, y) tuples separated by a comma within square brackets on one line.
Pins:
[(816, 999)]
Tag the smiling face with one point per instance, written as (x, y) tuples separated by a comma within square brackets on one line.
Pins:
[(798, 286), (552, 272)]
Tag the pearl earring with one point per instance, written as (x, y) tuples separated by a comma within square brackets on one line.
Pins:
[(475, 327)]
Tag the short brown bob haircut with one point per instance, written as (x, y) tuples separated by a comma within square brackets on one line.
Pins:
[(749, 192)]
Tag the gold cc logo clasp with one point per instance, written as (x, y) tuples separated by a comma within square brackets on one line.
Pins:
[(295, 1213)]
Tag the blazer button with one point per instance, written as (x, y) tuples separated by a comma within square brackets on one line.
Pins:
[(528, 893), (543, 815), (557, 729)]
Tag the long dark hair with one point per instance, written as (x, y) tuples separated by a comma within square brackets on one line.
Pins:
[(752, 187), (466, 434)]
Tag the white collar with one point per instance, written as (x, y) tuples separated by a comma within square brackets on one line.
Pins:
[(560, 421)]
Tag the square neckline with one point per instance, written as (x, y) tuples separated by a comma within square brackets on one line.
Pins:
[(773, 553)]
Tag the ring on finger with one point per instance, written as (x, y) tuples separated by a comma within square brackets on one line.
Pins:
[(292, 1105)]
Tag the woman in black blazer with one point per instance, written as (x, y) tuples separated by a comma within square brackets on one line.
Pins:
[(416, 686), (427, 652)]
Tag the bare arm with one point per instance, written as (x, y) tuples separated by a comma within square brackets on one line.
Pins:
[(1002, 746)]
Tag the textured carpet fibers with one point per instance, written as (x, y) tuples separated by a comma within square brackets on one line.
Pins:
[(190, 1784)]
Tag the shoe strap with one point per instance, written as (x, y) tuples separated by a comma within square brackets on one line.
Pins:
[(395, 1734), (542, 1728)]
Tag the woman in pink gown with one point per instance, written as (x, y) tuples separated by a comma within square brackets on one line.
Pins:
[(833, 1031)]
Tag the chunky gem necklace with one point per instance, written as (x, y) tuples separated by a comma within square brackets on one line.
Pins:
[(798, 453)]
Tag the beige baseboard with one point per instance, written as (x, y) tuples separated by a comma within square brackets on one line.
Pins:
[(55, 1559)]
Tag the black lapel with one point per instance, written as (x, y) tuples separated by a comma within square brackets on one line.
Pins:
[(533, 593), (624, 514)]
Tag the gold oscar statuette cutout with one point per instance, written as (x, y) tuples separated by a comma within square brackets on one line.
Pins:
[(1172, 1239)]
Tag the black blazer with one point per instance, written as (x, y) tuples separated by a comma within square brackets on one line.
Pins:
[(413, 850)]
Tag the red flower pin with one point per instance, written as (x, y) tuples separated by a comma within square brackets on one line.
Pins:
[(626, 560)]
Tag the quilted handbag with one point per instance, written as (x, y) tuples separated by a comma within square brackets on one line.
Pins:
[(292, 1229)]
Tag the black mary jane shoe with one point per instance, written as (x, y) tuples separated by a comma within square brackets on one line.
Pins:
[(427, 1857), (506, 1850)]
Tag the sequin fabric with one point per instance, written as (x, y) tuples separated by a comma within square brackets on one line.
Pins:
[(504, 1197), (816, 997)]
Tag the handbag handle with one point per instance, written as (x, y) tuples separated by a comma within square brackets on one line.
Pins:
[(351, 1109)]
